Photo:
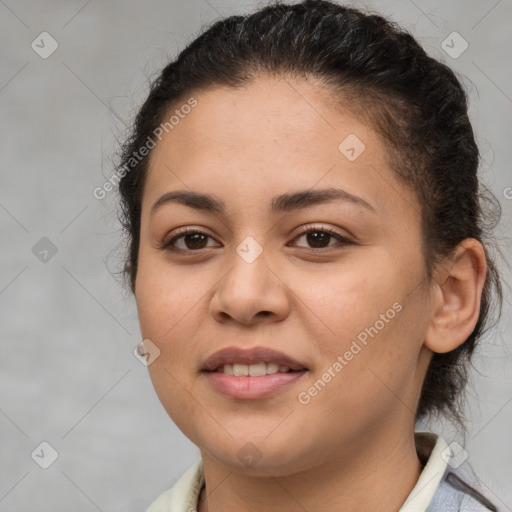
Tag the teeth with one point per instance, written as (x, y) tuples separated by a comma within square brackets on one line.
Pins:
[(241, 370), (227, 369), (273, 368), (253, 370)]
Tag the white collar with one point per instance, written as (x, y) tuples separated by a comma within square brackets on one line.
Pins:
[(436, 462), (183, 496)]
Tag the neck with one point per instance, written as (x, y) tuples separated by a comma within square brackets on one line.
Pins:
[(376, 475)]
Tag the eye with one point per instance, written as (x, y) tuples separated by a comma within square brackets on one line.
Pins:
[(319, 237), (192, 239)]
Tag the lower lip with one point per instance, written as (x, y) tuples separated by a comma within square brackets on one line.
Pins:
[(251, 387)]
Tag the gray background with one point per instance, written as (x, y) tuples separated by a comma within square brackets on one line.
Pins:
[(68, 375)]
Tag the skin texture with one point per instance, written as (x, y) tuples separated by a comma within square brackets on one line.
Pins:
[(352, 446)]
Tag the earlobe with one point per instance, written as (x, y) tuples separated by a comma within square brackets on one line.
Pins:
[(456, 297)]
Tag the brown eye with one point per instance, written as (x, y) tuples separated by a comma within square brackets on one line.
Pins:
[(193, 240), (319, 238)]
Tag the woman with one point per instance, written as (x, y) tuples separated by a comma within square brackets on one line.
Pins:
[(308, 259)]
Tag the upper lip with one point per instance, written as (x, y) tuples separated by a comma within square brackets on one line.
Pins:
[(237, 355)]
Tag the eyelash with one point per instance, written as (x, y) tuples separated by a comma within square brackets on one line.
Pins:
[(168, 244)]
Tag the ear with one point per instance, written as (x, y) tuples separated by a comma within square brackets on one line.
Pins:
[(456, 297)]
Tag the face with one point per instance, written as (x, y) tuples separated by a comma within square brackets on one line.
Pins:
[(337, 285)]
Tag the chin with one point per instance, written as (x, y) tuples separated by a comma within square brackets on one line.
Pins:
[(258, 455)]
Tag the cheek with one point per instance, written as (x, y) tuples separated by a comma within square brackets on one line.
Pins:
[(345, 302), (164, 295), (368, 317), (168, 308)]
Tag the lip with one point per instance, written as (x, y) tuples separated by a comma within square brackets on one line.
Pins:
[(233, 355), (251, 388)]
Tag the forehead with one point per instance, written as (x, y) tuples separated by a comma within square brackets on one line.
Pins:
[(279, 111), (274, 135)]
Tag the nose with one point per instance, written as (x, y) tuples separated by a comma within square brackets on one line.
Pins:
[(251, 291)]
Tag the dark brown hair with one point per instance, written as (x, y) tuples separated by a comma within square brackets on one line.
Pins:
[(414, 101)]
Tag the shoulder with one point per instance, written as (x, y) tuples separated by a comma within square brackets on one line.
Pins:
[(459, 489), (447, 482)]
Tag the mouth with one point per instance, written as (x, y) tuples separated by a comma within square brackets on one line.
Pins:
[(251, 374)]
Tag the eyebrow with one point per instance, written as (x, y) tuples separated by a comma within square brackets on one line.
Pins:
[(283, 203)]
